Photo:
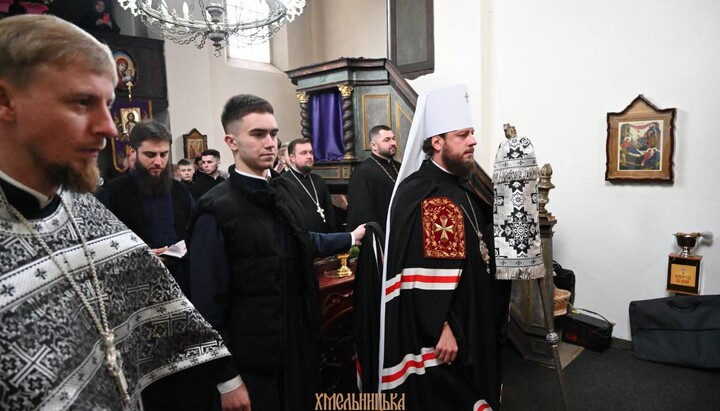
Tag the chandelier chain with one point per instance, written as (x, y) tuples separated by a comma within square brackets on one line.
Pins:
[(236, 21)]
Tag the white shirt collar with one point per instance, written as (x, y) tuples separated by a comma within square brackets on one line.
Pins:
[(441, 167), (266, 177)]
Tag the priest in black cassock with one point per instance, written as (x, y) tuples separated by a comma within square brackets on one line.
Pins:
[(444, 311), (372, 181), (310, 189)]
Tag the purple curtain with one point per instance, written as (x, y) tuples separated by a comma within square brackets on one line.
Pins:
[(326, 125)]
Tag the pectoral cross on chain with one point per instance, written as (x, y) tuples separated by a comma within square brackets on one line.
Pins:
[(484, 252), (116, 371), (321, 212)]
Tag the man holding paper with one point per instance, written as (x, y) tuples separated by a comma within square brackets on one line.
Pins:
[(149, 201)]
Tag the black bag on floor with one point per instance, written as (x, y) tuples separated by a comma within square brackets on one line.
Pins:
[(593, 333), (682, 330), (564, 279)]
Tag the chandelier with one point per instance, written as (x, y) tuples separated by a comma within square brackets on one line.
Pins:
[(245, 21)]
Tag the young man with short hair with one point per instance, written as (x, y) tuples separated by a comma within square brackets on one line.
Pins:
[(186, 171), (211, 163), (252, 270), (210, 176)]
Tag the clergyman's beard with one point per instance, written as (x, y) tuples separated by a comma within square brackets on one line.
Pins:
[(305, 169), (387, 153), (456, 164), (150, 185), (77, 181)]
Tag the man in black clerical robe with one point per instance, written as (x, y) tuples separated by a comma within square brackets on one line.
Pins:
[(310, 189), (372, 181), (366, 307), (445, 313), (149, 201)]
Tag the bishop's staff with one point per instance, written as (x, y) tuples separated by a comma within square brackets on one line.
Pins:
[(516, 210)]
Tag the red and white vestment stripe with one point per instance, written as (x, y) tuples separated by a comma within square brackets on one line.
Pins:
[(422, 279)]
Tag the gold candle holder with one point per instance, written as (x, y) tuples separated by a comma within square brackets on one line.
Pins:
[(344, 270)]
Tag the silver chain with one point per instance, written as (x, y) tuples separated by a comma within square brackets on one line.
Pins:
[(484, 252), (385, 170), (316, 200)]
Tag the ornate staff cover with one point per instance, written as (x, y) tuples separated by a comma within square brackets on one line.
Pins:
[(518, 251)]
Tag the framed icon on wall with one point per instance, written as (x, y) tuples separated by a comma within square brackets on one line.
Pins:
[(640, 143), (194, 143), (127, 69)]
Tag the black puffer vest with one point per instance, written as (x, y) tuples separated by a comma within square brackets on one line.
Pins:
[(247, 220)]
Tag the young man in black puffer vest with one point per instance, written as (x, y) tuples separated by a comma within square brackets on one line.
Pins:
[(252, 276)]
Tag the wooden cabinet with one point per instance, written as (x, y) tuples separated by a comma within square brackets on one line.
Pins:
[(337, 348), (335, 299)]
